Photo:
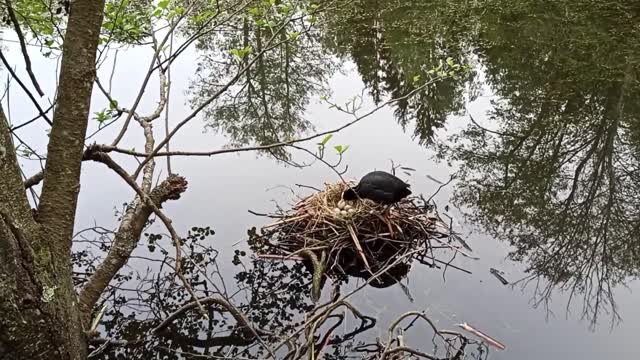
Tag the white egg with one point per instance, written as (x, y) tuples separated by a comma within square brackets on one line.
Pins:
[(337, 211), (352, 211), (341, 204), (343, 212)]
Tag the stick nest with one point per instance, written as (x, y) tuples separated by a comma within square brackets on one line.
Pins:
[(358, 242)]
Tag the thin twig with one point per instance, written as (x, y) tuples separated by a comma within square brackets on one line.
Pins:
[(24, 87), (14, 128), (23, 47), (105, 159)]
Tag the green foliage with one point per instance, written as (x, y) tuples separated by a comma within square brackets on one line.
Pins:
[(341, 148), (288, 68), (240, 54), (101, 116), (326, 139), (37, 18), (106, 115), (126, 22)]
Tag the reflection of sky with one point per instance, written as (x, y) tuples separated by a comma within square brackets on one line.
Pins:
[(222, 188)]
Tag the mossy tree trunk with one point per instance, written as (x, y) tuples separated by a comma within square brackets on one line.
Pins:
[(39, 313)]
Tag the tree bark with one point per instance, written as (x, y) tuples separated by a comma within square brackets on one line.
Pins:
[(39, 311), (126, 239)]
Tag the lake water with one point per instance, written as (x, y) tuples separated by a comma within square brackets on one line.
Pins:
[(547, 170)]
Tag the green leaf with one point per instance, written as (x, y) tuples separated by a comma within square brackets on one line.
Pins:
[(113, 104), (344, 149), (450, 61), (326, 139), (163, 4), (294, 35), (101, 116), (338, 148), (416, 78)]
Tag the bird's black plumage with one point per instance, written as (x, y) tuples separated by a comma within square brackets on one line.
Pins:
[(379, 186)]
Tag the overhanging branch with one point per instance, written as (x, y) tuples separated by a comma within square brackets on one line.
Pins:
[(126, 239)]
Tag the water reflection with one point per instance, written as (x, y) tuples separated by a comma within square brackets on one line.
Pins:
[(269, 301), (268, 102), (270, 296), (559, 177), (392, 49)]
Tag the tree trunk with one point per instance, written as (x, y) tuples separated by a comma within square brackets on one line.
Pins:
[(39, 316)]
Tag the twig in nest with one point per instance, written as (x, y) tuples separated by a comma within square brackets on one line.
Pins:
[(356, 242)]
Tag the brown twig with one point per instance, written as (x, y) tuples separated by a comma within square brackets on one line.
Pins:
[(105, 159), (150, 71), (23, 47), (14, 128), (24, 87)]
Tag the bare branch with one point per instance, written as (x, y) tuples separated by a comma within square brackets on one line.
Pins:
[(28, 122), (247, 329), (101, 157), (166, 109), (126, 240), (150, 71), (24, 87), (23, 47), (220, 91), (157, 152), (34, 180)]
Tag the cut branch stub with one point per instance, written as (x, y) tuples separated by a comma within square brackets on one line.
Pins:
[(171, 189)]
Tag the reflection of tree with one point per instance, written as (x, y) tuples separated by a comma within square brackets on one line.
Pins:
[(560, 178), (267, 105), (150, 317), (267, 311), (275, 296), (391, 48)]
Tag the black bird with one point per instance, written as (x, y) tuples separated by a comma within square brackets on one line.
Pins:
[(379, 186)]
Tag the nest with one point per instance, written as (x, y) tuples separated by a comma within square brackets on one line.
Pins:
[(358, 239)]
